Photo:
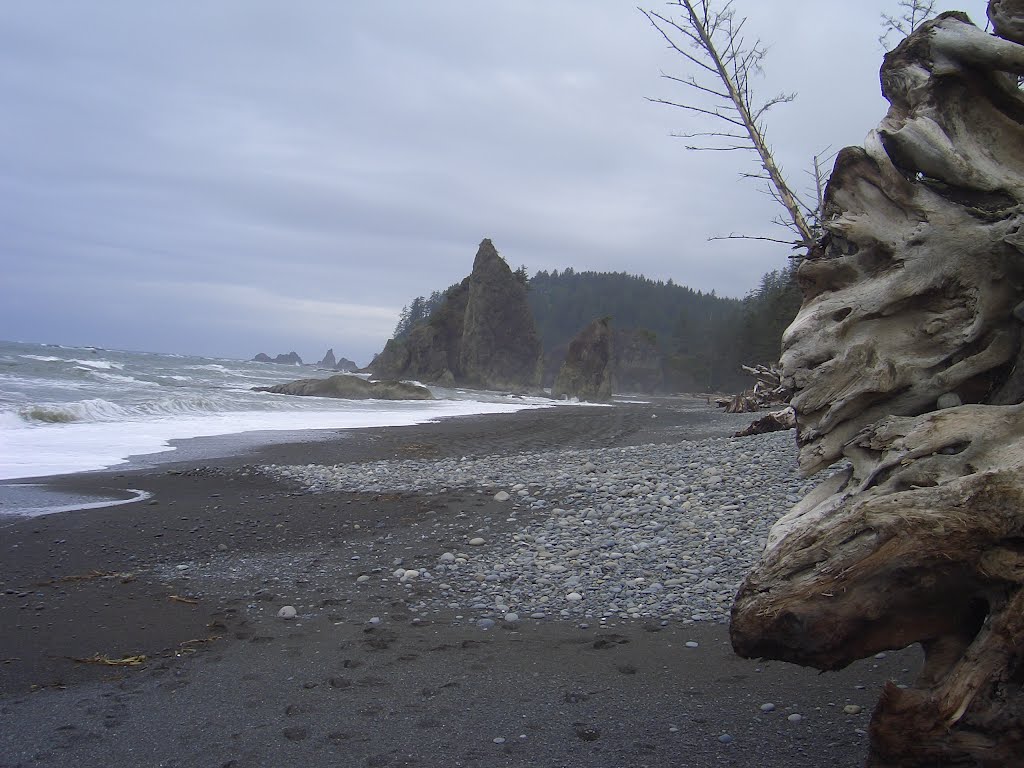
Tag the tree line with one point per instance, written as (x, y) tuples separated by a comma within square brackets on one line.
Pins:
[(703, 338)]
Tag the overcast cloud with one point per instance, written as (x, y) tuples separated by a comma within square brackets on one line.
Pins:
[(240, 176)]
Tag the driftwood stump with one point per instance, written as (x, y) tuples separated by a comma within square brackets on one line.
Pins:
[(906, 361)]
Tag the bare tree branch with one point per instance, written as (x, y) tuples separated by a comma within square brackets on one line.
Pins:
[(751, 237), (712, 41), (915, 13)]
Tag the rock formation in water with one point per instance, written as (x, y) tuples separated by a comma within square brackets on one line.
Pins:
[(342, 364), (351, 388), (482, 335), (500, 347), (290, 359), (906, 360), (586, 373)]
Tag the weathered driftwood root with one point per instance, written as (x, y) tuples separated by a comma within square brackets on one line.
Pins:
[(768, 391), (913, 305), (774, 421), (929, 548)]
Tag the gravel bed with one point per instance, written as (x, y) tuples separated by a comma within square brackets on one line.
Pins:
[(656, 532)]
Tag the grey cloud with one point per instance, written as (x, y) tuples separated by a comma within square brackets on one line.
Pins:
[(353, 154)]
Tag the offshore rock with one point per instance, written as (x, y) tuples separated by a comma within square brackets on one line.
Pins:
[(500, 346), (329, 360), (290, 359), (587, 371), (351, 388), (482, 335)]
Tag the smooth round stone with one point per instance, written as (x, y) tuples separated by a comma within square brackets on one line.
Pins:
[(853, 709), (476, 542), (574, 597), (399, 573), (725, 738), (501, 496), (485, 623), (287, 612), (447, 557), (768, 707), (692, 644), (374, 620), (499, 740), (511, 616), (362, 579), (795, 718)]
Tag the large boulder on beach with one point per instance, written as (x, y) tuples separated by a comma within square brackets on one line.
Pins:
[(482, 334), (586, 373), (351, 388)]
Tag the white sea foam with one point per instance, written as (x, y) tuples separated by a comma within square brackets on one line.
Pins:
[(59, 448), (105, 365), (117, 377), (93, 408), (211, 367)]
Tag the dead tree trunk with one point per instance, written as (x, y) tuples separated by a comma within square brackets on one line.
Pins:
[(906, 360)]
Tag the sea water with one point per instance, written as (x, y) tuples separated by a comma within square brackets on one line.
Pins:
[(73, 409)]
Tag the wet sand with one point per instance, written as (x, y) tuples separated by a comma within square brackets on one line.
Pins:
[(225, 682)]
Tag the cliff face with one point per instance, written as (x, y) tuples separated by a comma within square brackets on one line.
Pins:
[(637, 362), (587, 371), (500, 346), (482, 335)]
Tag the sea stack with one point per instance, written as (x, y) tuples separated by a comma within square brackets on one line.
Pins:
[(482, 335)]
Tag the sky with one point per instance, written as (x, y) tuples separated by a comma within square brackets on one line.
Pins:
[(241, 176)]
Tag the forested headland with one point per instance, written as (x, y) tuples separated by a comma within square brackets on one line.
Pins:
[(703, 338)]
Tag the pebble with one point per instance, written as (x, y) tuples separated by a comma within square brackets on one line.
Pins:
[(660, 532), (725, 738), (692, 644), (853, 709), (768, 707), (485, 623), (795, 718), (287, 612)]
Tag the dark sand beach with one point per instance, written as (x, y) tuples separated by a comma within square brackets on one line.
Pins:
[(225, 682)]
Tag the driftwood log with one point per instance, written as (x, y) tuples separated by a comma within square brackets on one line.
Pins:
[(773, 421), (906, 361), (768, 390)]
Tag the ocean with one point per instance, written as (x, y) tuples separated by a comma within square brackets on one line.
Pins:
[(74, 409)]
